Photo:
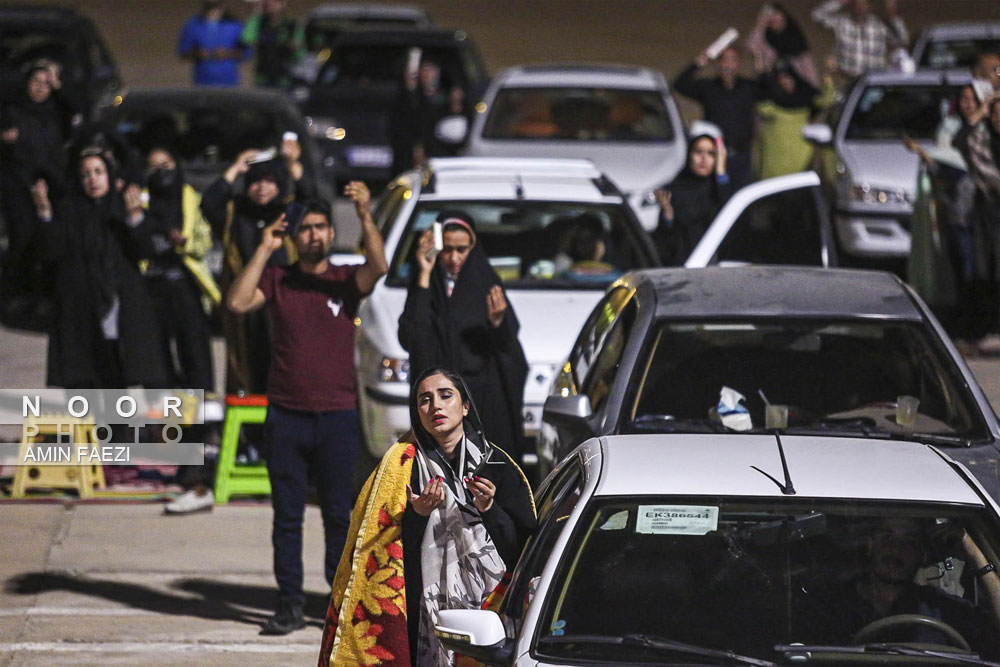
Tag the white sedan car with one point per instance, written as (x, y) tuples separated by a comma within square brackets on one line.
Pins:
[(748, 549), (621, 117), (523, 209)]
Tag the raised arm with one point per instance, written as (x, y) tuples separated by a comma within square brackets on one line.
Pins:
[(375, 265), (244, 294), (828, 13)]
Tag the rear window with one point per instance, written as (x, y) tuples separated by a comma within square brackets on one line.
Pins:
[(579, 114)]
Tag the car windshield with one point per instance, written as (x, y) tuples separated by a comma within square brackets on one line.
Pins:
[(539, 245), (382, 67), (201, 137), (959, 53), (579, 114), (889, 112), (21, 45), (844, 378), (648, 579)]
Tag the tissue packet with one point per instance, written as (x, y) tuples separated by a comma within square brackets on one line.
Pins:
[(731, 410)]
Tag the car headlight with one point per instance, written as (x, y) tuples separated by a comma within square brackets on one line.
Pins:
[(324, 128), (868, 194), (394, 370)]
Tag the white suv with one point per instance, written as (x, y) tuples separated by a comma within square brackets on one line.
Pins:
[(523, 210), (621, 117)]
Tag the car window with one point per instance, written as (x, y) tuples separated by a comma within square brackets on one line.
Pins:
[(593, 334), (746, 575), (321, 33), (579, 114), (839, 377), (598, 381), (889, 112), (556, 501), (782, 228), (538, 244), (959, 53)]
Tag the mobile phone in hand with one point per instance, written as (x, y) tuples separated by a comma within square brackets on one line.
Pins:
[(295, 212)]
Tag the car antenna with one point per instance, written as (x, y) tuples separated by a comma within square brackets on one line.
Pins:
[(518, 186), (786, 488)]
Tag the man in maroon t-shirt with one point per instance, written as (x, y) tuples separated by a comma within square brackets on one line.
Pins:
[(312, 420)]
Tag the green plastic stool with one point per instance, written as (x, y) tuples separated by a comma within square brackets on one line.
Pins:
[(240, 480)]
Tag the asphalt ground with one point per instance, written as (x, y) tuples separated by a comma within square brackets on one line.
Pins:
[(103, 584)]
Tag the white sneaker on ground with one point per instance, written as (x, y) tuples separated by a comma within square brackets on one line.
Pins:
[(189, 502)]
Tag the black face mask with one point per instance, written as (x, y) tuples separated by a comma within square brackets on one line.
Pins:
[(162, 181)]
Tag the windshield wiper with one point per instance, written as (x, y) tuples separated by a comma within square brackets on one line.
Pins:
[(660, 644), (801, 652), (868, 428)]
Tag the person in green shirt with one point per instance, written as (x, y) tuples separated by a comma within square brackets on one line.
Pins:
[(279, 42)]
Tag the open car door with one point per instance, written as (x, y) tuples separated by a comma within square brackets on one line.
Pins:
[(781, 220)]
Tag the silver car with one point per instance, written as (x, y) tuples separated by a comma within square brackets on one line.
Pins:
[(623, 118), (709, 350), (688, 550), (871, 175)]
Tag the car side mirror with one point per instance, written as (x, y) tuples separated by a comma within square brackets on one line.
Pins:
[(452, 129), (819, 134), (568, 412), (476, 633)]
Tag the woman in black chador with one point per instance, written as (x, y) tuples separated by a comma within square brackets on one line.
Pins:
[(104, 332), (457, 316)]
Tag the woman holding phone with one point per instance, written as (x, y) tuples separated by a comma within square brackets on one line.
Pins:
[(457, 316), (436, 525), (689, 203)]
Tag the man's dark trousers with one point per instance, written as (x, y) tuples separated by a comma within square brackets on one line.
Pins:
[(323, 446)]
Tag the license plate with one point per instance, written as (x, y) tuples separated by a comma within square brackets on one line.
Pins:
[(370, 156)]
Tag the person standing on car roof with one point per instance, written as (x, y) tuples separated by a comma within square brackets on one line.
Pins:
[(279, 42), (729, 101), (457, 316), (240, 219), (211, 40), (312, 419), (34, 131), (863, 41)]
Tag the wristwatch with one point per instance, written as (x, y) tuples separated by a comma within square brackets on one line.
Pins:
[(984, 570)]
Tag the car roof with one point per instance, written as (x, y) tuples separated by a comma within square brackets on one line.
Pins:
[(962, 30), (221, 98), (596, 75), (518, 178), (776, 291), (365, 10), (921, 77), (819, 467)]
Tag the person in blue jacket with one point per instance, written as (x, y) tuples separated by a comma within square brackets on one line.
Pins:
[(211, 40)]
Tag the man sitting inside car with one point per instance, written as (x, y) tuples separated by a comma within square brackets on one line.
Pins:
[(895, 551)]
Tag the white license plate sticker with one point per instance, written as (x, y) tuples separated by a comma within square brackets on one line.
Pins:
[(677, 519)]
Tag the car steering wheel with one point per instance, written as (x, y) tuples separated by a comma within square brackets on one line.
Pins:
[(882, 625)]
